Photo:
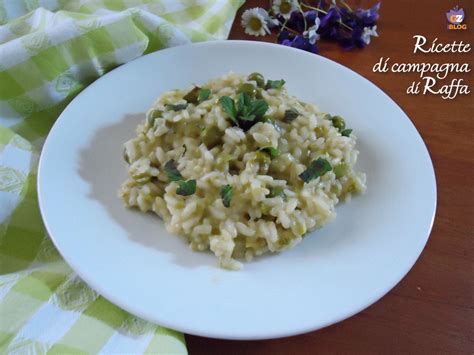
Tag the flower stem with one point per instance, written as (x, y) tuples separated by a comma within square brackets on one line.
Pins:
[(325, 12), (304, 17), (313, 8), (345, 4), (283, 26)]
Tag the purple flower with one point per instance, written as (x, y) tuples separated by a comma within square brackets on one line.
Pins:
[(330, 24), (283, 36), (351, 39), (368, 18), (297, 41), (362, 22), (310, 16), (331, 18), (351, 29), (357, 38), (323, 4), (296, 21), (348, 18)]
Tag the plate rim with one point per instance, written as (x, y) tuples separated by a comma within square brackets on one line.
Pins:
[(223, 335)]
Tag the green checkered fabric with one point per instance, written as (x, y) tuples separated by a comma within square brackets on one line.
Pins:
[(49, 51)]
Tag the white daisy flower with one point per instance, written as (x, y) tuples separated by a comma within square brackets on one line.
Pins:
[(284, 7), (311, 33), (255, 22), (368, 32)]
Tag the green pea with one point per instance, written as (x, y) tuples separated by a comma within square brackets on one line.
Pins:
[(211, 136), (277, 191), (338, 122), (258, 78), (152, 116), (248, 89), (320, 131), (340, 170), (263, 161)]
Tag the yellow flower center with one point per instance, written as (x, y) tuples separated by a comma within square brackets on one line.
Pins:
[(285, 7), (255, 23)]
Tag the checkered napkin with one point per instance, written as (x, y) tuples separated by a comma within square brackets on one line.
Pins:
[(49, 51)]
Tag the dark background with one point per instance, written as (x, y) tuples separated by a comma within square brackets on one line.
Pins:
[(431, 310)]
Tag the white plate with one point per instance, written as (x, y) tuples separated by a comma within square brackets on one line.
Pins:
[(129, 258)]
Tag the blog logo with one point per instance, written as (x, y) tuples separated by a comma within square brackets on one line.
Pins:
[(455, 18)]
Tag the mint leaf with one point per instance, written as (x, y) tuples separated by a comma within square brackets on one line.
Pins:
[(229, 106), (243, 107), (273, 152), (177, 107), (186, 188), (246, 111), (247, 117), (226, 195), (203, 94), (290, 115), (347, 132), (258, 107), (244, 101), (316, 169), (172, 172), (275, 84)]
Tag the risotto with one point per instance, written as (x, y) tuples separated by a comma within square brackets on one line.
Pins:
[(240, 167)]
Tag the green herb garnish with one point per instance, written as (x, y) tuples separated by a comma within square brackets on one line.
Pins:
[(172, 171), (347, 132), (193, 95), (203, 94), (248, 109), (316, 169), (229, 106), (243, 107), (275, 84), (177, 107), (290, 115), (186, 188), (246, 112), (226, 195), (197, 95), (273, 152), (277, 191)]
